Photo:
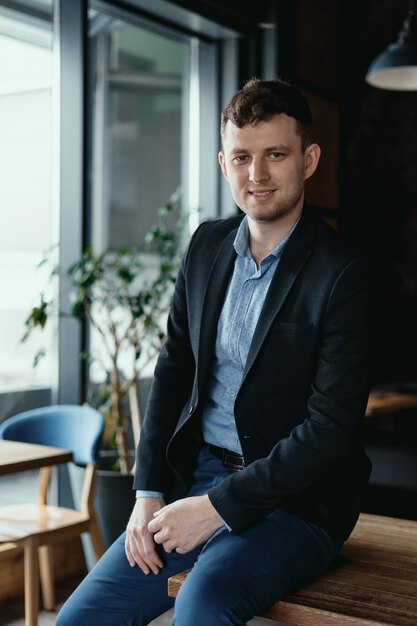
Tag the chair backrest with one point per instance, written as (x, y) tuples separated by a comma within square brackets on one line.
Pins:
[(76, 428)]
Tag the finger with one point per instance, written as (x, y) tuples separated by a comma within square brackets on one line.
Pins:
[(150, 555), (141, 549), (134, 559), (144, 567), (168, 546), (147, 565), (158, 538), (155, 525), (161, 537), (129, 555), (132, 549)]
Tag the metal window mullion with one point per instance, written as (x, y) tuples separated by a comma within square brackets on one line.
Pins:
[(193, 148), (100, 162), (229, 85), (209, 173), (269, 53), (70, 27)]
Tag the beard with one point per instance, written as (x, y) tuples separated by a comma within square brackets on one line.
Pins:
[(275, 214), (278, 208)]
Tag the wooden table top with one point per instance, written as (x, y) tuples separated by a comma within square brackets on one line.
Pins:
[(382, 402), (16, 456), (373, 581)]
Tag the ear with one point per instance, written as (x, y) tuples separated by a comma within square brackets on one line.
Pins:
[(222, 162), (311, 159)]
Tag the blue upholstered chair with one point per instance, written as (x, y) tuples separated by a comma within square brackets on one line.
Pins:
[(37, 525)]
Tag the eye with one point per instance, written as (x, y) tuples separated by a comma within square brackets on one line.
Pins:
[(241, 158), (276, 155)]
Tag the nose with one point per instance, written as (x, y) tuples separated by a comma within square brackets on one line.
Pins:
[(258, 171)]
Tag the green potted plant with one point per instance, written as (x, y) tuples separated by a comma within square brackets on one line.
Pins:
[(124, 295)]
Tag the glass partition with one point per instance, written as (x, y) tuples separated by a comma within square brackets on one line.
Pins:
[(25, 190), (140, 90)]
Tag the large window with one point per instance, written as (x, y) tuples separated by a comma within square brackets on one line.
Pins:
[(150, 127), (140, 97), (26, 225)]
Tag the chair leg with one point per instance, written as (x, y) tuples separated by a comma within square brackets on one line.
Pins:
[(31, 568), (46, 568), (96, 538)]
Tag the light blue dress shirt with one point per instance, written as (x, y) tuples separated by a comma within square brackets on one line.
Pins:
[(237, 322), (242, 306)]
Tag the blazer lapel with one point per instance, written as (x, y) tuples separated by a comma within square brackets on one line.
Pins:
[(213, 301), (293, 259)]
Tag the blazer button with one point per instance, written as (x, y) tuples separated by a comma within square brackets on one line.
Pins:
[(191, 409)]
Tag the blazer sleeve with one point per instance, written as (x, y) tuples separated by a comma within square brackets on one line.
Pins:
[(172, 382), (335, 409)]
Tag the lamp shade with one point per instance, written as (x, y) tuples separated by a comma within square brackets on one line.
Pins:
[(396, 67)]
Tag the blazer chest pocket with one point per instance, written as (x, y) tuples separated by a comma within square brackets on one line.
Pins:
[(292, 328)]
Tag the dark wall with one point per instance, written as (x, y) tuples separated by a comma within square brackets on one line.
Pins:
[(378, 185), (371, 135), (367, 181)]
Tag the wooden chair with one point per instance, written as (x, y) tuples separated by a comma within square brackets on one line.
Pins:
[(373, 583), (37, 525)]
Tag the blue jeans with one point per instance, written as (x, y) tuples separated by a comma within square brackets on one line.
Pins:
[(234, 576)]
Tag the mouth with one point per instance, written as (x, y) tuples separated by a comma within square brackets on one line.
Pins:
[(261, 194)]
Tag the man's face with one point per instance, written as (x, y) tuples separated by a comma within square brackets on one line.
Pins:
[(267, 168)]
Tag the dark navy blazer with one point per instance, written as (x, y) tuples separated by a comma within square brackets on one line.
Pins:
[(300, 407)]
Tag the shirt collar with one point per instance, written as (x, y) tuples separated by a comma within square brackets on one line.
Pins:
[(241, 242)]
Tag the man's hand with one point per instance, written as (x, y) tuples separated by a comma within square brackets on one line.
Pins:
[(139, 545), (185, 524)]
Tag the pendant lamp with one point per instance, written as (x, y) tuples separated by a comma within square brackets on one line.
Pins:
[(396, 67)]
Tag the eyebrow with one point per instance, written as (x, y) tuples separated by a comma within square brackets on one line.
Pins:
[(276, 148)]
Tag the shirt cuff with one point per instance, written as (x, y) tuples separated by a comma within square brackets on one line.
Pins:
[(142, 493)]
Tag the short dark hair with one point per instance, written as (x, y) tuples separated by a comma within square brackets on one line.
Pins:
[(259, 100)]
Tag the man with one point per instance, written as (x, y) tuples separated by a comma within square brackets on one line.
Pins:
[(250, 467)]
